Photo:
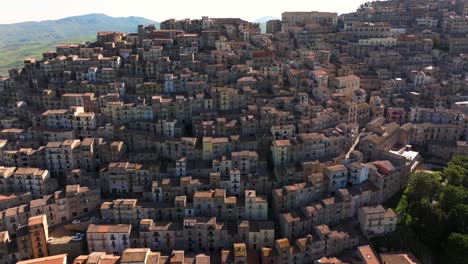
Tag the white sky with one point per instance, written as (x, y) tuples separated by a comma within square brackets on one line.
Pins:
[(14, 11)]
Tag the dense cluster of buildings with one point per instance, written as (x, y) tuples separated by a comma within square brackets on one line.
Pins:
[(207, 139)]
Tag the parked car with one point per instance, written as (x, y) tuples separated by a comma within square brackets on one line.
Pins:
[(77, 238)]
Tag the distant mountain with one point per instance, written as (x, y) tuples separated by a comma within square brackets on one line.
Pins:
[(264, 19), (30, 39), (65, 28)]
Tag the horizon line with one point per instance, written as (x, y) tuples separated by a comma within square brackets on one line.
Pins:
[(157, 21)]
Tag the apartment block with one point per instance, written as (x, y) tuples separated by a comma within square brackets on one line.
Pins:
[(112, 239)]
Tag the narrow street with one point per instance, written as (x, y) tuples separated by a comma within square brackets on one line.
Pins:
[(356, 142)]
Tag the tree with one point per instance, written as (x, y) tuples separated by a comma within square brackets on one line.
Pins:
[(439, 212), (457, 247), (451, 196), (458, 217), (461, 161), (422, 185), (455, 174), (436, 43), (428, 222)]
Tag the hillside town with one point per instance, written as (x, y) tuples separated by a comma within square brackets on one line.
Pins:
[(209, 141)]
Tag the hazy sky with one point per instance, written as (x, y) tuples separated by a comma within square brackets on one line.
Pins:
[(35, 10)]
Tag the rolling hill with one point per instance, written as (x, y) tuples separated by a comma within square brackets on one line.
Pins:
[(30, 39)]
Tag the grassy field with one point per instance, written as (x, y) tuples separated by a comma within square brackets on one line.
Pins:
[(12, 56)]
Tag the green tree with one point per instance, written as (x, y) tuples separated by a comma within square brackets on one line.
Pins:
[(438, 212), (428, 222), (461, 161), (422, 185), (436, 43), (457, 247), (455, 174), (459, 218), (451, 196)]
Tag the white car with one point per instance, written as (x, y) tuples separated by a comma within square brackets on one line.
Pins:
[(76, 222)]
